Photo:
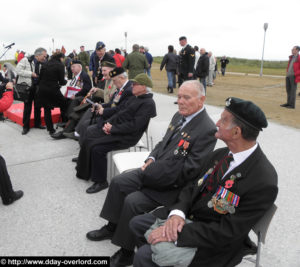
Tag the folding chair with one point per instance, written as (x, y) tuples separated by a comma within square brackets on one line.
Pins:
[(131, 160), (260, 229)]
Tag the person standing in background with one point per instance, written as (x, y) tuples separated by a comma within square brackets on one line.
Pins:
[(84, 58), (292, 78)]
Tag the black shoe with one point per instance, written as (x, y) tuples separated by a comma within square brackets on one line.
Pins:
[(52, 132), (99, 235), (61, 124), (16, 195), (75, 159), (25, 131), (121, 259), (291, 107), (71, 136), (40, 127), (58, 135), (96, 187), (284, 105)]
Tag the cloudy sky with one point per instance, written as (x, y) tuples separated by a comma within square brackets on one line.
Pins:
[(225, 27)]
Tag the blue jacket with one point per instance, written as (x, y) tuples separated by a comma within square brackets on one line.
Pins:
[(149, 58)]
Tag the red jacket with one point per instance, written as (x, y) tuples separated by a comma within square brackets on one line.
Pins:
[(6, 100), (296, 68), (119, 59), (20, 56)]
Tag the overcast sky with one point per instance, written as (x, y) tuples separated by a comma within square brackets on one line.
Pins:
[(225, 27)]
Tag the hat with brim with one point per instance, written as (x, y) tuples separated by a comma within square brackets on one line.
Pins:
[(116, 71), (108, 64), (100, 45), (142, 79), (247, 112)]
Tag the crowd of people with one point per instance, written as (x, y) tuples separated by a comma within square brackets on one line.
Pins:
[(191, 64), (206, 201)]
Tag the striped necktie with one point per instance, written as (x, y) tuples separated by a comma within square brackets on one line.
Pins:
[(217, 173)]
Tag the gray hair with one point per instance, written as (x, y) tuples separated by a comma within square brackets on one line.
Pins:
[(135, 47), (197, 85), (149, 90), (146, 49), (39, 51), (123, 75)]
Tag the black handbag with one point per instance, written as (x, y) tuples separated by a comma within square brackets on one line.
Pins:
[(21, 92)]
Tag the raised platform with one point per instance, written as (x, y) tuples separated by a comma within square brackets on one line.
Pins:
[(15, 114)]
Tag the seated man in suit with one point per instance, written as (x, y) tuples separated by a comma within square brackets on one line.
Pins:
[(80, 106), (235, 187), (120, 131), (105, 111), (189, 138)]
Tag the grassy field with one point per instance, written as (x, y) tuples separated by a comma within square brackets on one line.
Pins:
[(266, 91), (249, 66)]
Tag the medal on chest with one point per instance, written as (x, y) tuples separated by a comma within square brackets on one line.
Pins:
[(183, 145), (224, 201)]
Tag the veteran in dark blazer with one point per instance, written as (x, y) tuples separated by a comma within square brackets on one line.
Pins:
[(235, 187), (186, 61), (189, 138), (122, 130), (105, 111)]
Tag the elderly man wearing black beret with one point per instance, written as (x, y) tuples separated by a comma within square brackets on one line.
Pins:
[(209, 224), (120, 131)]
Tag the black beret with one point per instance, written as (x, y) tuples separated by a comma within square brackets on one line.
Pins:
[(108, 64), (76, 62), (100, 45), (116, 72), (182, 38), (247, 112)]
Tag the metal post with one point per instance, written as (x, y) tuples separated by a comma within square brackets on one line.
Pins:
[(53, 45), (262, 58), (126, 41)]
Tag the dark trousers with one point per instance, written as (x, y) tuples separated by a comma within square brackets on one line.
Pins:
[(139, 225), (62, 103), (28, 107), (99, 162), (291, 88), (203, 81), (183, 77), (223, 69), (122, 203), (85, 121), (70, 74), (6, 189)]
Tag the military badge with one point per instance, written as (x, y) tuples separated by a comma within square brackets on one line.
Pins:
[(228, 102), (224, 201), (202, 179), (186, 145)]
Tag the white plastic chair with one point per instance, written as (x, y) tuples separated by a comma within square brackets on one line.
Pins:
[(131, 160)]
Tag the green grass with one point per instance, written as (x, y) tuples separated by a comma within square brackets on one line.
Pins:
[(12, 61), (249, 66)]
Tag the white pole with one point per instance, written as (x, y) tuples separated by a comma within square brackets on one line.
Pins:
[(262, 58)]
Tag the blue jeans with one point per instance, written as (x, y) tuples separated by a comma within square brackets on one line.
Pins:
[(171, 79), (148, 72)]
